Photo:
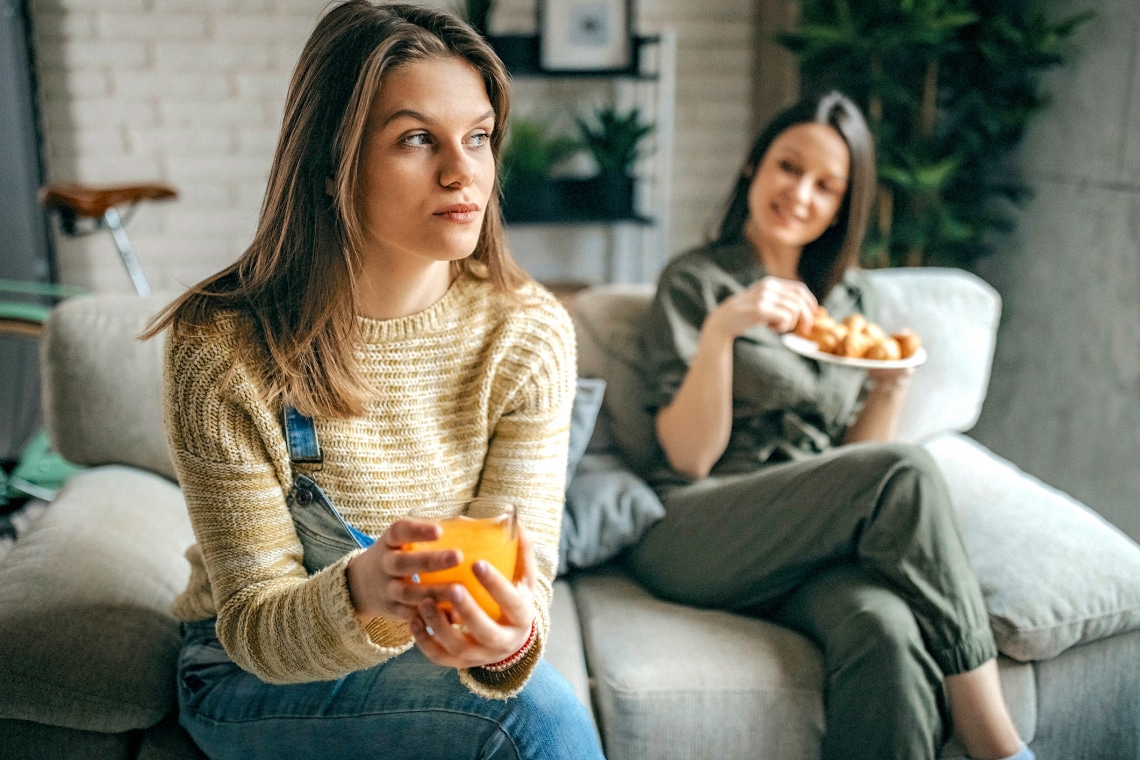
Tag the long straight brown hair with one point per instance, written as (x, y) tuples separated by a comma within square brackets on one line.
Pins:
[(824, 259), (296, 282)]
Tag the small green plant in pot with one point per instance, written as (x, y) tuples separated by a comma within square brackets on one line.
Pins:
[(531, 153), (614, 139)]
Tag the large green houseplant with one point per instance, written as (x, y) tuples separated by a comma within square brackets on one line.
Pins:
[(948, 87)]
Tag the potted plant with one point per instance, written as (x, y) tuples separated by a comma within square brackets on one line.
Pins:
[(614, 139), (532, 151), (948, 87)]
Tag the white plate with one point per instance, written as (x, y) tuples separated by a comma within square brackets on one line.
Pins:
[(810, 349)]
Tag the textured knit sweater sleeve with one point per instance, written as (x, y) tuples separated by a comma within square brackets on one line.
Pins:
[(526, 461)]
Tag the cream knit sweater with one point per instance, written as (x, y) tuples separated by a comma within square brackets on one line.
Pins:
[(472, 395)]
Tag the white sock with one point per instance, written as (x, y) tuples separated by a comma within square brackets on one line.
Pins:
[(1022, 754)]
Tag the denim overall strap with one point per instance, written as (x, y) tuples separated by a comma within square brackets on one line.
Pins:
[(301, 437), (324, 534)]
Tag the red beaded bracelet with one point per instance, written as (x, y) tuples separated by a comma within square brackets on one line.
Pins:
[(501, 665)]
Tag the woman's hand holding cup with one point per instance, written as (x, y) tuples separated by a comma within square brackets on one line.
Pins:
[(377, 577), (480, 640), (462, 610)]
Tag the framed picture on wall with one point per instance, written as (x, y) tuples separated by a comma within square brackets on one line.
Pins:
[(585, 35)]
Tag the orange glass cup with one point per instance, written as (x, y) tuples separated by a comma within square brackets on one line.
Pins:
[(481, 528)]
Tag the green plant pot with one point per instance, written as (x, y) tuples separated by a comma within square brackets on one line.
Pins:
[(604, 196), (531, 200)]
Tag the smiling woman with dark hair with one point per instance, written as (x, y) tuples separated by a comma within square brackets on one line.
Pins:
[(784, 492), (376, 349)]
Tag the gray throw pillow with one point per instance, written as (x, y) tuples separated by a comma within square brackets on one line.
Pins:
[(1053, 573), (587, 403), (608, 509)]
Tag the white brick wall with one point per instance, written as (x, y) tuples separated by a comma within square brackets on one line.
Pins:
[(190, 92)]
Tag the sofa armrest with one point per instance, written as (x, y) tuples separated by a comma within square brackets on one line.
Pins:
[(1054, 574), (87, 639), (956, 315)]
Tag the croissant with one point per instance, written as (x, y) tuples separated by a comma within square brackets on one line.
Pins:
[(908, 343), (857, 337)]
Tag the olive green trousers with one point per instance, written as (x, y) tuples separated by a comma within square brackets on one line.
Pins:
[(858, 550)]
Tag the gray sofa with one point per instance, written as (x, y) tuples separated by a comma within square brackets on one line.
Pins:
[(87, 645)]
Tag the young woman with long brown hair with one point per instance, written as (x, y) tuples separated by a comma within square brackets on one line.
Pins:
[(374, 350), (785, 493)]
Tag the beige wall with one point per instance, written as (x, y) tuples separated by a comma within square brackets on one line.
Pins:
[(190, 92)]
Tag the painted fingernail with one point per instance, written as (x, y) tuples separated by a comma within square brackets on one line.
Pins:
[(480, 566), (415, 577), (429, 630)]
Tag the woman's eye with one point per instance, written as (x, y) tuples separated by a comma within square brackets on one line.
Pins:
[(789, 167), (480, 139), (418, 140)]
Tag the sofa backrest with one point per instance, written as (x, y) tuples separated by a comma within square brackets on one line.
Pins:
[(102, 387), (954, 312)]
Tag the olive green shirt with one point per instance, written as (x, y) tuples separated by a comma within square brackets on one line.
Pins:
[(784, 406)]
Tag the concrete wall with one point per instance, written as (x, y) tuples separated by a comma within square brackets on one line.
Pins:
[(190, 92), (1064, 403)]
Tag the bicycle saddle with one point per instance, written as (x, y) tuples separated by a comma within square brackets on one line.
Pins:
[(92, 201)]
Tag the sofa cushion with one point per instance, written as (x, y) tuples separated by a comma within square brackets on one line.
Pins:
[(608, 508), (674, 682), (608, 320), (24, 739), (947, 391), (167, 740), (87, 640), (96, 416), (1054, 574), (1089, 701), (563, 648), (584, 415)]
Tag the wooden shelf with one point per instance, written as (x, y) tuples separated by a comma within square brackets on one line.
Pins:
[(572, 200), (636, 209)]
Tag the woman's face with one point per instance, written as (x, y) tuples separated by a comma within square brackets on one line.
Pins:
[(428, 170), (797, 189)]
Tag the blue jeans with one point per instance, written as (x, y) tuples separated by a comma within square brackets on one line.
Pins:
[(407, 708)]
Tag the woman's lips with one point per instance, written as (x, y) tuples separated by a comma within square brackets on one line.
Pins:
[(459, 212), (787, 216)]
